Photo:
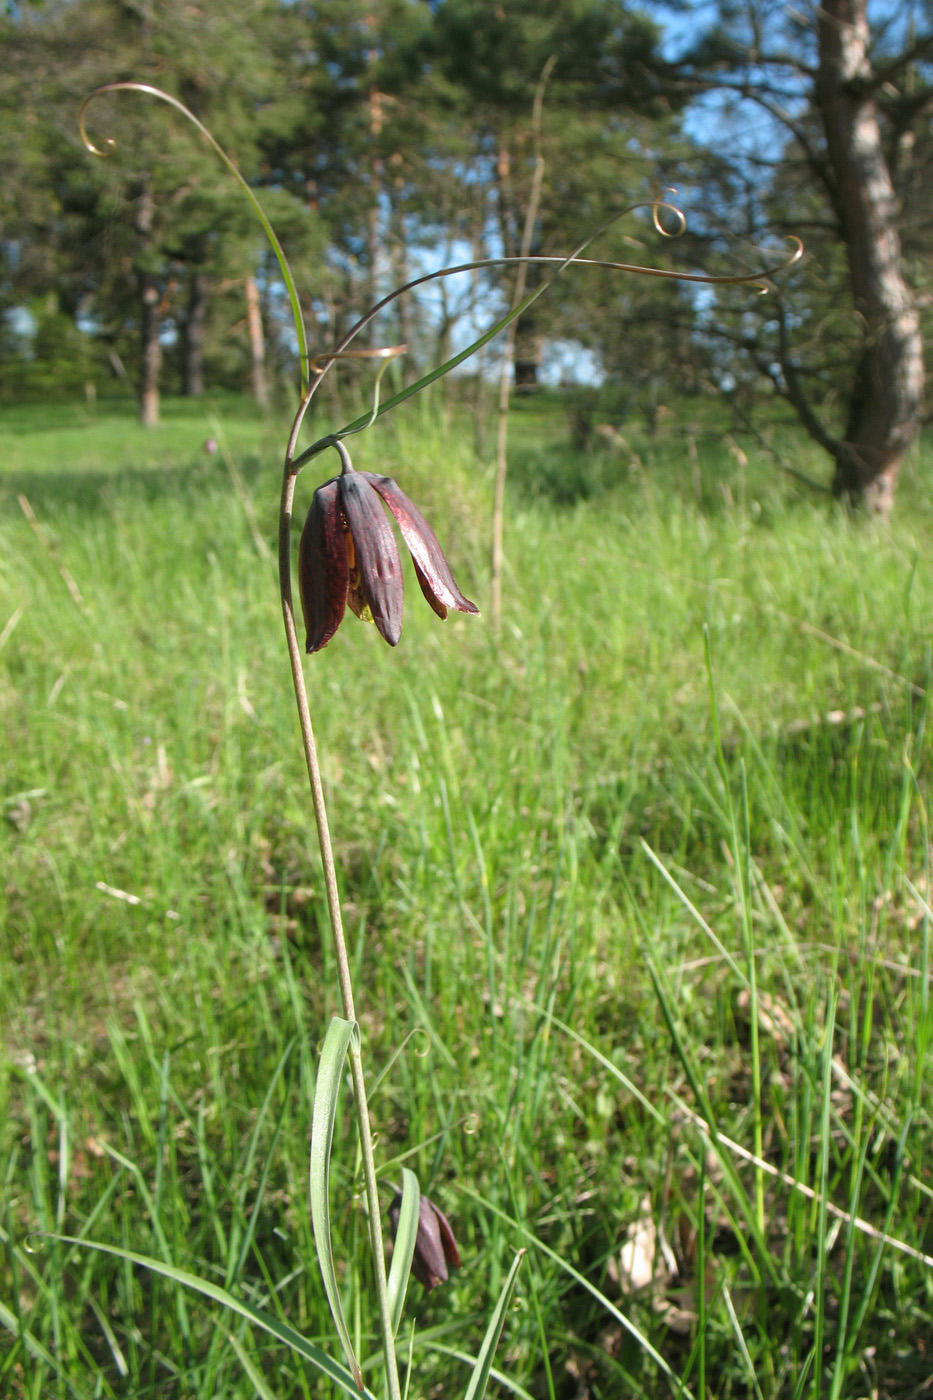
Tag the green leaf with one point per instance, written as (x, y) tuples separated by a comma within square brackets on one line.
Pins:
[(480, 1377), (340, 1033), (325, 1364), (404, 1251)]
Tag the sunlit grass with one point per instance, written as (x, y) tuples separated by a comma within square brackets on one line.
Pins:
[(612, 886)]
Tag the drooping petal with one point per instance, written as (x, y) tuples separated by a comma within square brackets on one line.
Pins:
[(451, 1252), (322, 567), (437, 582), (376, 560), (439, 607)]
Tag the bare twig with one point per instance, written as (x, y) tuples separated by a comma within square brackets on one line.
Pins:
[(508, 353), (865, 1228)]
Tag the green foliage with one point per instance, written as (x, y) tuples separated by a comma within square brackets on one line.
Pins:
[(73, 225), (385, 136), (380, 132), (529, 831)]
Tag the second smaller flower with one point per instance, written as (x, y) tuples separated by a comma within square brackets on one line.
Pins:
[(436, 1252)]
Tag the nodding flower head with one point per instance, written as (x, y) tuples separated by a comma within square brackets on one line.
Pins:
[(348, 554), (436, 1251)]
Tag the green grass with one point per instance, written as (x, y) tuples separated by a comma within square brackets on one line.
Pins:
[(657, 855)]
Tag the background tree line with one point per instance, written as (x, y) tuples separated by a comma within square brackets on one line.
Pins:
[(390, 136)]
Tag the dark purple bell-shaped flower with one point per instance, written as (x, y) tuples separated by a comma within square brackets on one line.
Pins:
[(348, 554), (435, 1247)]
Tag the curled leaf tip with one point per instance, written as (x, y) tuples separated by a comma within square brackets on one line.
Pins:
[(319, 363), (109, 144), (680, 218)]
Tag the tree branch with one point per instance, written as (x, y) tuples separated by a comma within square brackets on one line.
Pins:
[(795, 393), (919, 50)]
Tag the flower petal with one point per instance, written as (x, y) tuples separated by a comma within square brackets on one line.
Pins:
[(439, 607), (437, 582), (322, 567), (451, 1252), (376, 554)]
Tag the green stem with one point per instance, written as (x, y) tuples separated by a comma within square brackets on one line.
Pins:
[(334, 911)]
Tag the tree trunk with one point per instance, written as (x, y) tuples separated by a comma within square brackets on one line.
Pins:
[(257, 344), (525, 348), (150, 361), (886, 402), (150, 346), (527, 351), (398, 255), (510, 358), (374, 213), (195, 322)]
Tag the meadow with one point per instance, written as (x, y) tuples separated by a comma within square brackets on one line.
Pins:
[(638, 893)]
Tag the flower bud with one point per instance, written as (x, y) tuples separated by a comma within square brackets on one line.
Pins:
[(435, 1247)]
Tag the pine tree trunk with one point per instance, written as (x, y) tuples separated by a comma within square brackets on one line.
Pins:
[(527, 348), (195, 323), (374, 215), (525, 341), (150, 361), (257, 344), (886, 401), (150, 346), (401, 273)]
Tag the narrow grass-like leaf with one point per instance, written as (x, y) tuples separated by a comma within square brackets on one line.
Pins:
[(340, 1033), (741, 1344), (235, 1266), (628, 1084), (701, 1280), (480, 1377), (103, 1322), (281, 1330), (825, 1156), (406, 1236), (590, 1288), (574, 258)]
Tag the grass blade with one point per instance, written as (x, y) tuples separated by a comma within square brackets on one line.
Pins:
[(340, 1033), (404, 1251), (480, 1377), (281, 1330)]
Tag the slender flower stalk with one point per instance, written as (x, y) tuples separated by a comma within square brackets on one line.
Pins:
[(344, 977)]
